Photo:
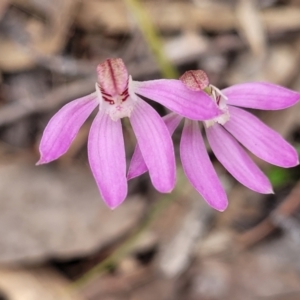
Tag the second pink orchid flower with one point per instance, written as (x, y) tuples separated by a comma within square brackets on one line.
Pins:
[(226, 134)]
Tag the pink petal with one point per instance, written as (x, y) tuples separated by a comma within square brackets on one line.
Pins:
[(235, 159), (261, 95), (137, 165), (198, 167), (173, 94), (64, 126), (260, 139), (107, 159), (155, 144)]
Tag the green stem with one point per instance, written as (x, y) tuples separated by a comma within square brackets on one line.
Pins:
[(152, 38), (127, 246)]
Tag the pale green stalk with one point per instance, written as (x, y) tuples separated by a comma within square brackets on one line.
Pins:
[(159, 206), (152, 38)]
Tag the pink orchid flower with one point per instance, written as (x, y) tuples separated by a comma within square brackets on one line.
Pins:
[(226, 133), (116, 96)]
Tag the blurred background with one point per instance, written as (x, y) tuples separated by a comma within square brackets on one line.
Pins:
[(58, 240)]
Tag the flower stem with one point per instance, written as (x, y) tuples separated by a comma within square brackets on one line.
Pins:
[(152, 38), (157, 208)]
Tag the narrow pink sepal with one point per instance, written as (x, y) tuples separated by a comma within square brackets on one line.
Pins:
[(137, 165), (261, 140), (107, 159), (260, 95), (64, 126), (198, 167), (156, 146), (235, 159), (173, 94)]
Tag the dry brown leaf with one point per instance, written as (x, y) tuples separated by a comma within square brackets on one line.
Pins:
[(47, 213), (48, 38), (3, 6), (35, 284)]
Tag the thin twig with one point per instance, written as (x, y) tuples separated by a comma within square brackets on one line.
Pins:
[(268, 225), (16, 110)]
